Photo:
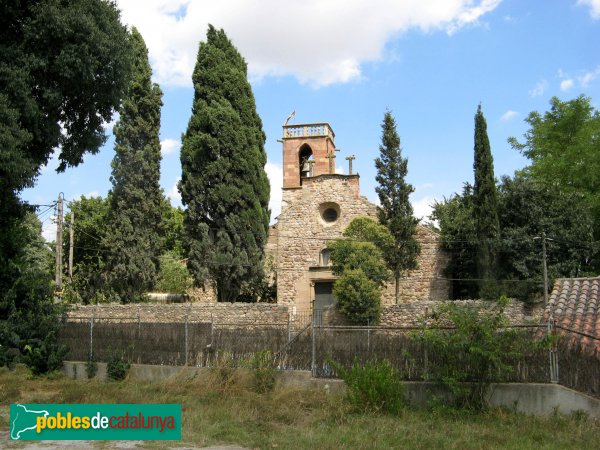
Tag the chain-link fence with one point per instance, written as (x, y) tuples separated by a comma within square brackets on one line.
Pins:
[(306, 343)]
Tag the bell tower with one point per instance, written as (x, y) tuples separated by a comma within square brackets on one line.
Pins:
[(308, 151)]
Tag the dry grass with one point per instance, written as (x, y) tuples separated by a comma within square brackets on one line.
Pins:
[(220, 408)]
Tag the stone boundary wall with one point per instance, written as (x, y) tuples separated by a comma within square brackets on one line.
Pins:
[(409, 314), (256, 314), (250, 314)]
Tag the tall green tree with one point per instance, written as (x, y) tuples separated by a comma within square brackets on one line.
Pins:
[(224, 184), (564, 149), (485, 204), (63, 71), (396, 212), (133, 240)]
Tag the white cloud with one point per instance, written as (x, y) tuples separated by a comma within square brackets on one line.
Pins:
[(567, 84), (339, 170), (539, 88), (279, 37), (108, 126), (168, 146), (588, 77), (275, 174), (49, 229), (423, 207), (508, 115), (52, 162), (594, 7), (174, 194)]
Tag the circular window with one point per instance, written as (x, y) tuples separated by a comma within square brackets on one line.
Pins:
[(329, 212), (330, 215)]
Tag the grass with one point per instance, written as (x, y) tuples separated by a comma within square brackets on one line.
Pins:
[(222, 409)]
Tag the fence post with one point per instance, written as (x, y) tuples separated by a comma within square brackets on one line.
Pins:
[(139, 318), (368, 338), (186, 339), (92, 337), (552, 353), (313, 364), (289, 327)]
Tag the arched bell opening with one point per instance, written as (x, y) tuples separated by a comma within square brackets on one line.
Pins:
[(305, 156)]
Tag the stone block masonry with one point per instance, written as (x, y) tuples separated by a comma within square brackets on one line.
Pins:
[(247, 314)]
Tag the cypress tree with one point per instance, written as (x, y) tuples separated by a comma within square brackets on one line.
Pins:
[(485, 204), (396, 212), (223, 184), (133, 237)]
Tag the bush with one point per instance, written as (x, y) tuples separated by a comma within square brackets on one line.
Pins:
[(475, 353), (358, 298), (173, 277), (91, 367), (264, 371), (117, 368), (373, 387)]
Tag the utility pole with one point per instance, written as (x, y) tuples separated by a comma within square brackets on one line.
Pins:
[(545, 267), (59, 238), (71, 240)]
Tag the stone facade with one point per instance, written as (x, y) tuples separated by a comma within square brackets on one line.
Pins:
[(304, 227), (303, 233)]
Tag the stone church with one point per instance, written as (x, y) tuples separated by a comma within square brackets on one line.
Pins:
[(317, 206)]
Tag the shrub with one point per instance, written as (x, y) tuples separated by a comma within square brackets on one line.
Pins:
[(91, 367), (475, 353), (264, 371), (373, 387), (173, 276), (358, 298), (117, 368)]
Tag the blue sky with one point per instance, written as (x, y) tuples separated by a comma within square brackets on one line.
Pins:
[(344, 62)]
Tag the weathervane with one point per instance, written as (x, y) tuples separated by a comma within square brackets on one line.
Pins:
[(289, 117)]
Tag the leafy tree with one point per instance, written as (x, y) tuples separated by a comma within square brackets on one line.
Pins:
[(63, 70), (458, 235), (28, 330), (396, 212), (133, 244), (359, 262), (485, 204), (564, 149), (172, 228), (89, 255), (526, 208), (224, 184), (173, 276)]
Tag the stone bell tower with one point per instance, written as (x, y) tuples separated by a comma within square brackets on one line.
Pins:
[(317, 205), (308, 151)]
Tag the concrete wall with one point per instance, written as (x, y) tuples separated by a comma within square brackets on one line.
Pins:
[(528, 398)]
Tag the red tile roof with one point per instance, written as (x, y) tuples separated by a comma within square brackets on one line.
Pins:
[(575, 305)]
